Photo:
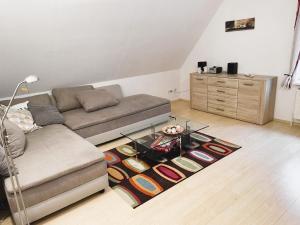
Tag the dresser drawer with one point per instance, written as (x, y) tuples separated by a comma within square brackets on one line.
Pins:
[(199, 101), (250, 88), (222, 82), (213, 90), (199, 84), (221, 110), (223, 101), (199, 80)]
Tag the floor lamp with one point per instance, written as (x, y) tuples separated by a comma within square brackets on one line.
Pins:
[(12, 171)]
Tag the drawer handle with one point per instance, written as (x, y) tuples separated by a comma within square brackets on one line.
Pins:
[(220, 91), (199, 79), (220, 109), (220, 100), (222, 82), (248, 84)]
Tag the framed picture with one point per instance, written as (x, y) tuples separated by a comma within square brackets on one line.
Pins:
[(238, 25)]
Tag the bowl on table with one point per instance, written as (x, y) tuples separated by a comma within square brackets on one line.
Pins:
[(172, 129)]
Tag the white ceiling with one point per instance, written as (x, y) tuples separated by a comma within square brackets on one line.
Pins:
[(69, 42)]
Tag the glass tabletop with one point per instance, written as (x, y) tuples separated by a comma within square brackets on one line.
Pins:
[(151, 136)]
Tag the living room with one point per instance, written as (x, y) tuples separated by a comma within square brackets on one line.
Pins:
[(144, 112)]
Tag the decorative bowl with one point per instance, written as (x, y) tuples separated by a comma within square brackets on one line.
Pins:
[(172, 129)]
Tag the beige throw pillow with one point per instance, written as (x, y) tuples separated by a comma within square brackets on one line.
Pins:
[(93, 100), (22, 118)]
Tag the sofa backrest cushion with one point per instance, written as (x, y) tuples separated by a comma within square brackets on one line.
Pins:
[(66, 97), (115, 90), (43, 99)]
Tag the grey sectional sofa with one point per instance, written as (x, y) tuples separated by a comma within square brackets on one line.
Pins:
[(61, 164)]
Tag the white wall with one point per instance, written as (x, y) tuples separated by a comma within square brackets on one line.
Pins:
[(72, 42), (158, 84), (265, 50)]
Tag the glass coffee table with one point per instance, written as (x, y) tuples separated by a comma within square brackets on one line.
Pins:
[(151, 142)]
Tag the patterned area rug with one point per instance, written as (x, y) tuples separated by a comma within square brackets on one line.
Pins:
[(138, 181)]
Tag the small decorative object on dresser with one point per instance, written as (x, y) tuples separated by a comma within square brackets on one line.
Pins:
[(250, 99), (201, 66), (215, 69)]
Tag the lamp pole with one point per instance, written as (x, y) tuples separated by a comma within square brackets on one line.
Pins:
[(12, 170)]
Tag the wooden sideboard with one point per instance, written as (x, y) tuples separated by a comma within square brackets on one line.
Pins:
[(235, 96)]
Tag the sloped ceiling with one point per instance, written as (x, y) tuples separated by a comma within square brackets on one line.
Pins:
[(69, 42)]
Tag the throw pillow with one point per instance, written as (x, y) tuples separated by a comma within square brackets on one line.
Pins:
[(20, 106), (16, 139), (66, 97), (46, 115), (93, 100), (22, 118)]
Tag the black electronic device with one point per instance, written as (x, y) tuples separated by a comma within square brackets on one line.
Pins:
[(232, 68)]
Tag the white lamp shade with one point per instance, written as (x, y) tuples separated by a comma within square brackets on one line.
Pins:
[(31, 79)]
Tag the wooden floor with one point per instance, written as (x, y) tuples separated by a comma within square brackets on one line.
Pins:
[(257, 185)]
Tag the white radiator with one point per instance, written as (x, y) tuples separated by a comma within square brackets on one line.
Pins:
[(297, 106)]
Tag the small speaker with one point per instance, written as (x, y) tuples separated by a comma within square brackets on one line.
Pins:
[(232, 68)]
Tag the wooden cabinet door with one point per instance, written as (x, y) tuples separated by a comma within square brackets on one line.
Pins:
[(199, 101), (249, 101), (199, 92)]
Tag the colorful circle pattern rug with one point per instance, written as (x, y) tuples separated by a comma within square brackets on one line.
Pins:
[(138, 181)]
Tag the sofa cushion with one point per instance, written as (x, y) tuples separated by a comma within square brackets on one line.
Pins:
[(50, 189), (46, 115), (66, 97), (92, 100), (123, 121), (78, 118), (53, 152)]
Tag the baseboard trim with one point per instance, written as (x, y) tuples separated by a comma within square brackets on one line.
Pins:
[(294, 123), (181, 100)]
